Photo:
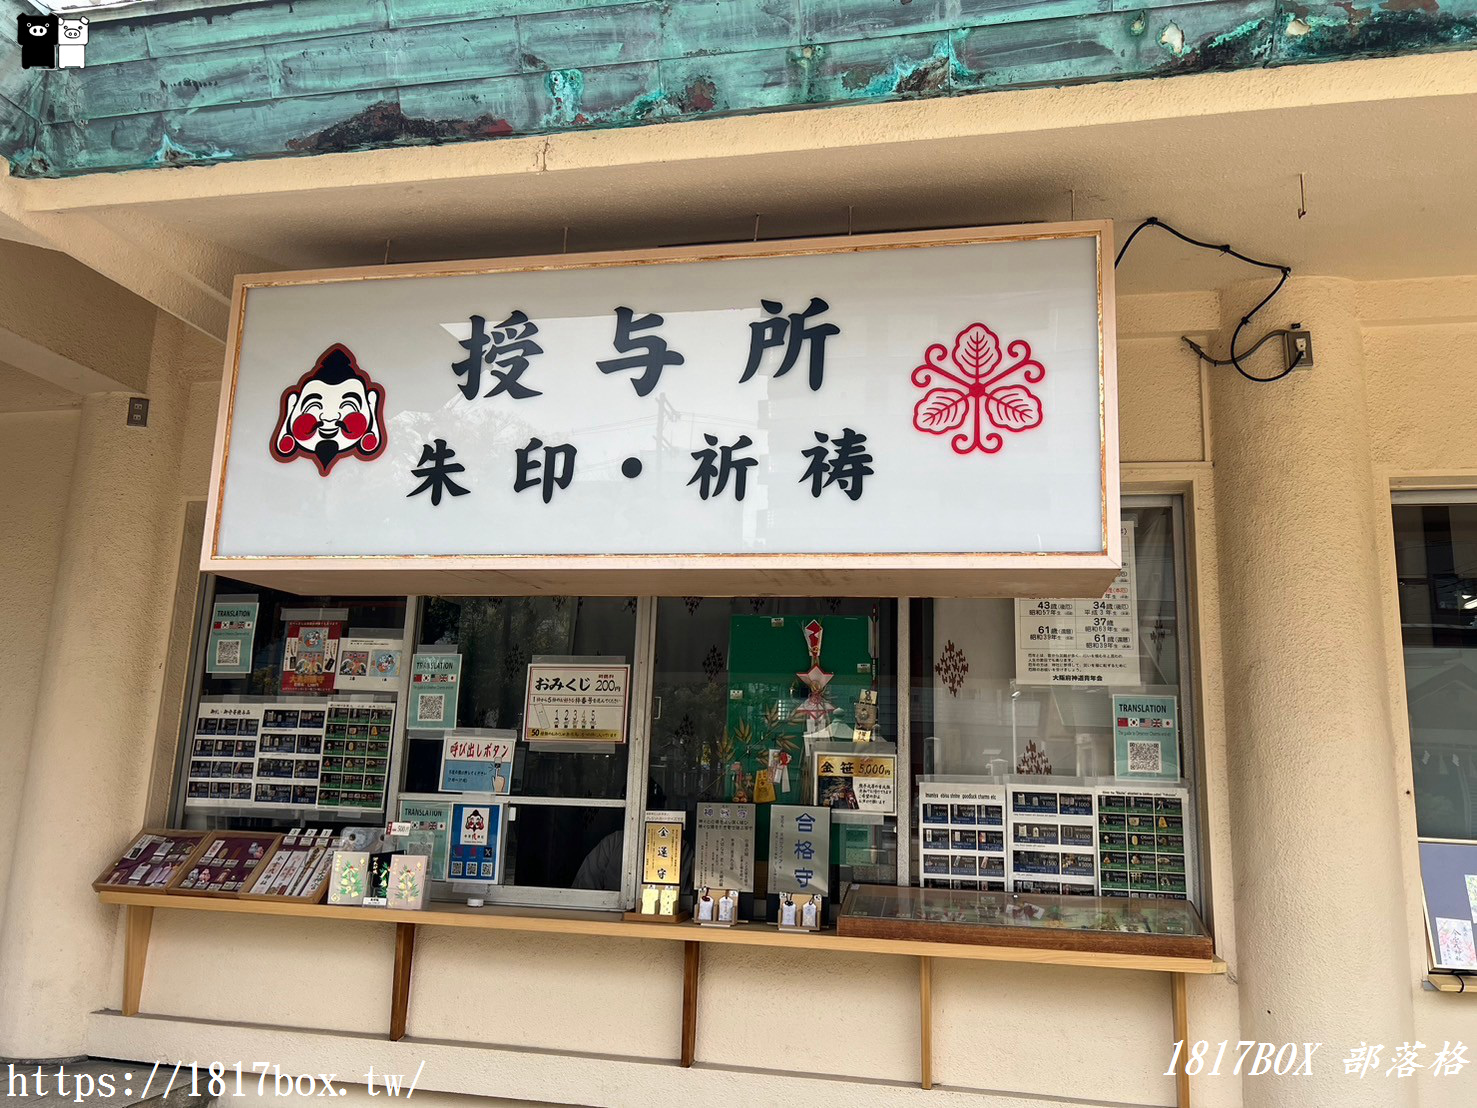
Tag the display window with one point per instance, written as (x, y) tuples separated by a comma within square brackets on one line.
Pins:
[(1053, 739), (1032, 746), (1436, 568)]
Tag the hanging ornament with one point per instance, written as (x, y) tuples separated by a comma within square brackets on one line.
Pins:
[(816, 709)]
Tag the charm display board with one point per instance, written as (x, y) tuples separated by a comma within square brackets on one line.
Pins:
[(931, 411), (299, 870), (1144, 841), (792, 681), (304, 754), (1449, 885), (1168, 928), (1053, 846), (962, 835)]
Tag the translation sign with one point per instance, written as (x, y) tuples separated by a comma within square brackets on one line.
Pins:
[(232, 633), (939, 403), (435, 685)]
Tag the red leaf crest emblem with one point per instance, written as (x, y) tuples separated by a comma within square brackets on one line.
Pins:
[(1013, 408), (977, 389), (976, 351), (941, 410)]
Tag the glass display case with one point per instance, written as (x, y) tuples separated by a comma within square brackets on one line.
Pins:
[(1095, 924)]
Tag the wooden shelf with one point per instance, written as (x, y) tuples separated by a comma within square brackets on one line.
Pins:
[(140, 908), (1453, 982), (604, 925)]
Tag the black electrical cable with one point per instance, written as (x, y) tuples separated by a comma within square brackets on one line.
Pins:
[(1225, 248)]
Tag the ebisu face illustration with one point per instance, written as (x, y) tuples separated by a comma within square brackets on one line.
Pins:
[(334, 411)]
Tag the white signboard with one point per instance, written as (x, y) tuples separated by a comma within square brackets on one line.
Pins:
[(576, 703), (943, 400), (723, 857), (799, 849), (1081, 642)]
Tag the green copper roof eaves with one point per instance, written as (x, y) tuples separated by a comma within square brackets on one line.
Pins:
[(294, 78)]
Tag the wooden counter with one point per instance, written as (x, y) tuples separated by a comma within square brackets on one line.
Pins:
[(140, 907)]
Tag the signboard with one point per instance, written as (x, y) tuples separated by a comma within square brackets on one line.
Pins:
[(724, 857), (434, 816), (576, 703), (232, 634), (477, 760), (1053, 844), (931, 411), (1082, 642), (435, 685), (475, 849), (369, 663), (799, 849), (310, 656), (862, 782), (1146, 737), (662, 861)]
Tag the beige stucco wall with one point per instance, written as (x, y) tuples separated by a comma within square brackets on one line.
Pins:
[(58, 303), (610, 1010), (564, 995), (1420, 350), (36, 451)]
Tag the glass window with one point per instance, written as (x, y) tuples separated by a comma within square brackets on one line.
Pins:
[(256, 742), (738, 696), (734, 718), (1020, 694), (567, 813), (1436, 567)]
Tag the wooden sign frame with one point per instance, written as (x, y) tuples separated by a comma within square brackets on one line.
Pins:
[(881, 573)]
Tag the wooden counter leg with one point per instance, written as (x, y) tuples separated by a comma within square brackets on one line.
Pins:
[(690, 952), (138, 921), (400, 998), (1180, 1001), (925, 1022)]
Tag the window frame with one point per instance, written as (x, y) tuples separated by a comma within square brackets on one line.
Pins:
[(640, 724)]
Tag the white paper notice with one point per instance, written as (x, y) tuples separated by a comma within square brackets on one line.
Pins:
[(1081, 642), (370, 663)]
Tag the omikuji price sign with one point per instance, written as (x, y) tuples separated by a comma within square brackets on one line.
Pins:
[(871, 408)]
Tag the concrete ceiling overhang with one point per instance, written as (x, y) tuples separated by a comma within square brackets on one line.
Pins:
[(1361, 169)]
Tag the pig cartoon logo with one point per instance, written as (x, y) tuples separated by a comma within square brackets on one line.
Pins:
[(71, 50), (334, 411), (37, 35)]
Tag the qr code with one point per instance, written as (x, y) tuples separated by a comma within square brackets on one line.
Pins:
[(1144, 757), (432, 708), (227, 652)]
